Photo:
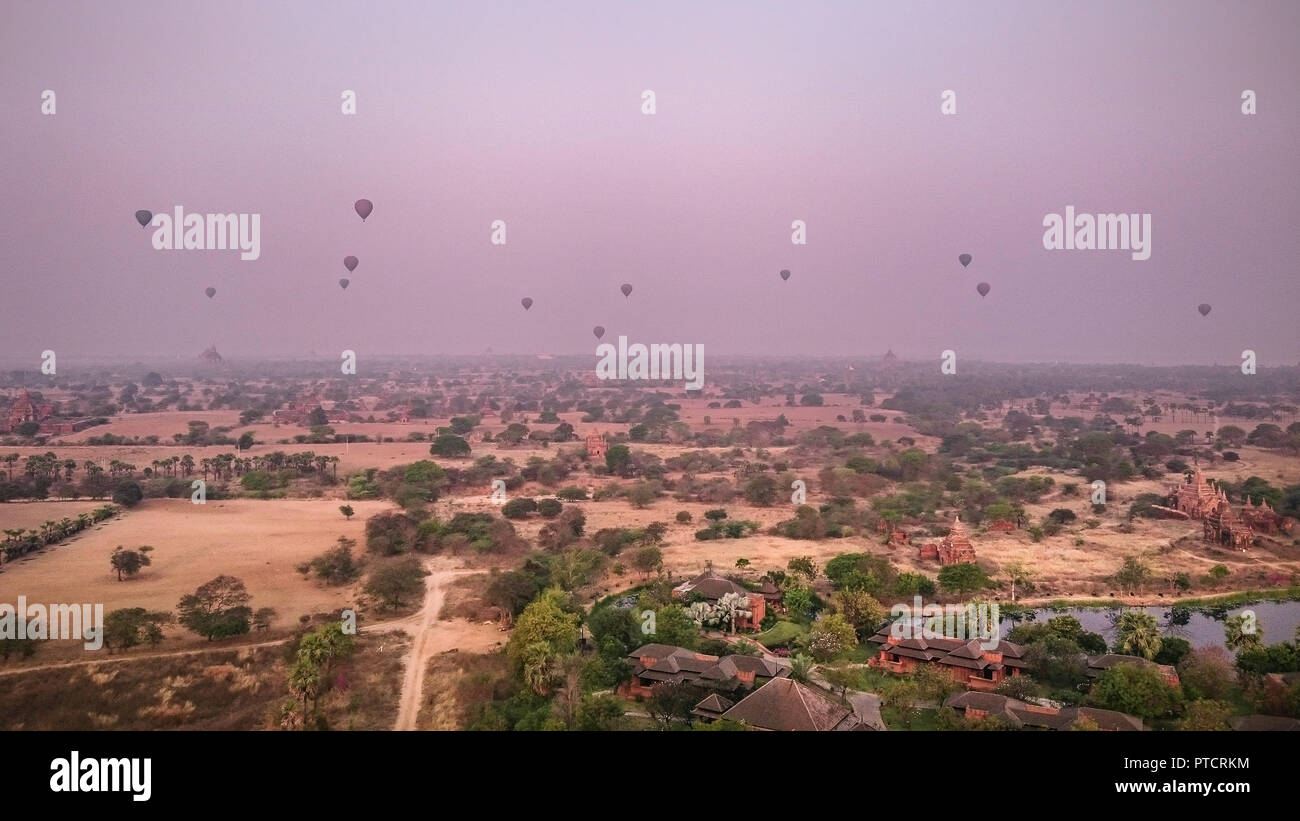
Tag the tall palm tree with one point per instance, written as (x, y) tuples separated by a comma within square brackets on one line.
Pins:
[(1240, 632), (1137, 634)]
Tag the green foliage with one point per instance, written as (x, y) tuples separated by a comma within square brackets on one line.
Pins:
[(1135, 689), (547, 621), (396, 582), (964, 578), (1137, 634), (449, 445), (217, 609), (337, 565), (130, 626)]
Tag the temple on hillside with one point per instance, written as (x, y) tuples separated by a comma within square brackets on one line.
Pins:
[(24, 410), (596, 446), (1200, 499), (954, 549), (1195, 497), (211, 357)]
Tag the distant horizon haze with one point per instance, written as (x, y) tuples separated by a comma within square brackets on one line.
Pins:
[(531, 113)]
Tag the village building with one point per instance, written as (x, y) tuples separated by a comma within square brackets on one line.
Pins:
[(964, 660), (1100, 664), (1027, 715), (711, 587), (955, 548), (658, 663), (785, 705)]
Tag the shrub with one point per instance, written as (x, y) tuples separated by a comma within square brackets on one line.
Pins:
[(550, 508)]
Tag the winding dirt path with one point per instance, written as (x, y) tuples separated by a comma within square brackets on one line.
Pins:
[(427, 642)]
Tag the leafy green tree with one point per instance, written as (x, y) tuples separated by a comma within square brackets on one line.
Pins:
[(217, 609), (519, 507), (347, 511), (803, 566), (131, 626), (964, 578), (798, 601), (550, 508), (396, 582), (617, 459), (546, 620), (860, 610), (674, 625), (449, 445), (127, 493), (337, 565), (648, 560), (1135, 689), (129, 562), (1133, 575)]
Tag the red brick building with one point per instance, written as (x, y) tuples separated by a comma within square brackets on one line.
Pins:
[(965, 660)]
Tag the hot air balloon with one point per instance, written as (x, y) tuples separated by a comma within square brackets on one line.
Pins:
[(626, 289), (143, 217), (527, 302), (964, 259), (210, 291), (350, 263), (364, 207), (599, 331), (983, 288), (1204, 308), (343, 283), (785, 273)]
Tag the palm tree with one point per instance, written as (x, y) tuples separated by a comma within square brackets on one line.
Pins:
[(1137, 634), (801, 668), (1242, 631), (539, 666)]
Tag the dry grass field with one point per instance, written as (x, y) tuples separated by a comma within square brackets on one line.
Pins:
[(260, 542)]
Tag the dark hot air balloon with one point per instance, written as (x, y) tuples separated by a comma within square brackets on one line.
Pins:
[(983, 288), (344, 283), (599, 331), (785, 273), (364, 207), (626, 289), (1204, 308), (350, 263), (210, 291), (143, 217), (964, 259), (527, 302)]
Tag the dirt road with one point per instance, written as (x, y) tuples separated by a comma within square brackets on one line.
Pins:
[(428, 640)]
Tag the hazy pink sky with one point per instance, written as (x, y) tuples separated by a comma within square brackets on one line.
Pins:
[(530, 113)]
